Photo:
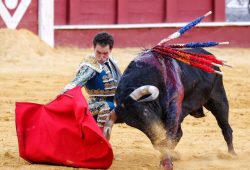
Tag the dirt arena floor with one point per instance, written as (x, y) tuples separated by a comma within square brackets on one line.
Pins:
[(32, 71)]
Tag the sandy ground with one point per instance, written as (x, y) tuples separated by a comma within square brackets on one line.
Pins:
[(32, 71)]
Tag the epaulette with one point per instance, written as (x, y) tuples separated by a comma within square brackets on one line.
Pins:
[(91, 62)]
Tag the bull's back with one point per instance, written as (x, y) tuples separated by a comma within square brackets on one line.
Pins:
[(197, 84)]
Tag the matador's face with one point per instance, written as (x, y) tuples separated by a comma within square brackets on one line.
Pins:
[(102, 53)]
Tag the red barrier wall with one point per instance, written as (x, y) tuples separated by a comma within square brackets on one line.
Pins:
[(147, 37), (83, 12)]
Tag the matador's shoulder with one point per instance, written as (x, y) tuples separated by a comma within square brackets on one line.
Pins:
[(91, 62)]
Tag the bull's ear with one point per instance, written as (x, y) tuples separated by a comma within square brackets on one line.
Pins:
[(124, 104), (129, 100)]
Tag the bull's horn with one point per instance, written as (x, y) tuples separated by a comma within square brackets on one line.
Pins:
[(144, 90)]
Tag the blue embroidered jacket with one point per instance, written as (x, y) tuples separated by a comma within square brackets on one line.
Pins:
[(100, 82)]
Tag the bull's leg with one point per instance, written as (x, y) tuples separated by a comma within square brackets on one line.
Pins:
[(172, 122), (178, 135), (151, 126), (163, 144), (218, 105), (157, 135)]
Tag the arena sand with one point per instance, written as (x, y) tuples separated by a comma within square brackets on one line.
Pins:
[(32, 71)]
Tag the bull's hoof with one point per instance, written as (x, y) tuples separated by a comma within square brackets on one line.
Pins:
[(175, 156), (166, 164), (232, 152)]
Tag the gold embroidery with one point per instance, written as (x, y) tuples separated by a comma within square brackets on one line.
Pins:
[(105, 68), (110, 92), (107, 71), (100, 107), (111, 84), (91, 61)]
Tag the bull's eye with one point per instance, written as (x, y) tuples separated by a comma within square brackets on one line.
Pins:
[(146, 111)]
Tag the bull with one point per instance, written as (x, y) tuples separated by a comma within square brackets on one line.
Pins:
[(157, 92)]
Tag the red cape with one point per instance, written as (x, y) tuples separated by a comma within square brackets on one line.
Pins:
[(62, 132)]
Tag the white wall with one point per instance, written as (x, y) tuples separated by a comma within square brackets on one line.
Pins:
[(46, 21)]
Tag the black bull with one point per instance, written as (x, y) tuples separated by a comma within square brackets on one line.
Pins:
[(183, 90)]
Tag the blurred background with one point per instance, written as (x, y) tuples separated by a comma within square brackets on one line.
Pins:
[(237, 10), (134, 23)]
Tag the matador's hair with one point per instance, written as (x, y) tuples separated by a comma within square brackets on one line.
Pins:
[(103, 39)]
